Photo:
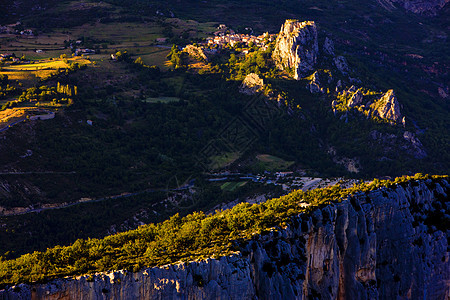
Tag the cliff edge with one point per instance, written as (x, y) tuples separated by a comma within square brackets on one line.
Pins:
[(389, 243), (296, 47)]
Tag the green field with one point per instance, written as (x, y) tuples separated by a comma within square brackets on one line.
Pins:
[(221, 161), (271, 163), (232, 186), (154, 56)]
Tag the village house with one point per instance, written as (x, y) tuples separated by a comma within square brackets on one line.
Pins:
[(84, 51), (283, 174), (26, 32), (223, 39), (161, 40)]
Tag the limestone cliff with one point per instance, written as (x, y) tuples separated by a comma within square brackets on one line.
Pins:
[(296, 47), (407, 143), (384, 244), (388, 108), (356, 98)]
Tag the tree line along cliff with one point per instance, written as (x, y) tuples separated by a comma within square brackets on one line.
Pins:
[(198, 236)]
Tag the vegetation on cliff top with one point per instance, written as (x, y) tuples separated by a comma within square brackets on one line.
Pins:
[(195, 236)]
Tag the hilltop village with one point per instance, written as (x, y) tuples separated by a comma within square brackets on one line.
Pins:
[(222, 39), (228, 38)]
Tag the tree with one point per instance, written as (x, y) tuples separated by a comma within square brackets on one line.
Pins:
[(260, 60), (232, 59), (175, 56), (139, 61)]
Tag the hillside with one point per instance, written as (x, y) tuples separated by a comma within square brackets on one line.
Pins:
[(328, 242), (108, 122)]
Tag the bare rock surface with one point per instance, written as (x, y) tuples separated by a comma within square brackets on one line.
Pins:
[(356, 99), (414, 146), (328, 46), (384, 244), (315, 84), (428, 7), (252, 84), (296, 47), (196, 52), (388, 107), (341, 64), (408, 142)]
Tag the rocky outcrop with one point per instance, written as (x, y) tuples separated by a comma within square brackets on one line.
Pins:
[(428, 7), (252, 84), (318, 82), (328, 46), (356, 99), (315, 86), (408, 142), (296, 47), (384, 244), (341, 64), (388, 108), (196, 52), (414, 147)]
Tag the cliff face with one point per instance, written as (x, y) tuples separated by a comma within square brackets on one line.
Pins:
[(386, 244), (252, 84), (387, 107), (296, 47)]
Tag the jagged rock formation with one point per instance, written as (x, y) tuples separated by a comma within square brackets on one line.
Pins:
[(408, 142), (341, 64), (296, 47), (318, 82), (414, 147), (429, 7), (356, 99), (385, 244), (388, 108), (252, 84), (196, 52), (328, 46), (315, 86)]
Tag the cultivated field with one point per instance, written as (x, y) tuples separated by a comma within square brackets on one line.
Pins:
[(32, 71)]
